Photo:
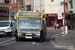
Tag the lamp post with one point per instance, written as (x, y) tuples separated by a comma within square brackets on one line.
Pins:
[(9, 13), (64, 13), (65, 28), (40, 5)]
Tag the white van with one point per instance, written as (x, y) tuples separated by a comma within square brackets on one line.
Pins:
[(7, 28)]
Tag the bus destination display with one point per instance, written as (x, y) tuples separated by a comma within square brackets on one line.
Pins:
[(29, 14)]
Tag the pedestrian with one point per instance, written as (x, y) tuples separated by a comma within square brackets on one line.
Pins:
[(60, 24), (55, 25)]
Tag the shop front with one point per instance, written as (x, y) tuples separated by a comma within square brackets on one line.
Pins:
[(50, 19), (71, 21)]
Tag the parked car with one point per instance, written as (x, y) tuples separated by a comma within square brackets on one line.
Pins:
[(7, 28)]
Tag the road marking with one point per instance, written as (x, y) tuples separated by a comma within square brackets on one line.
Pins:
[(37, 44), (7, 41), (54, 35), (59, 43), (55, 40), (33, 42), (52, 43), (55, 44)]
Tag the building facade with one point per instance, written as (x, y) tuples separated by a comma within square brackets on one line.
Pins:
[(27, 5), (4, 10), (52, 7), (8, 8), (33, 5), (70, 10), (22, 5), (14, 7)]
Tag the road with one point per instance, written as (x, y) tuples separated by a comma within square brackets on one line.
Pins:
[(9, 43)]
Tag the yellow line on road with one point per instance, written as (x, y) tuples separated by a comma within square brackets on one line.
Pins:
[(55, 44), (56, 41), (9, 43), (54, 35), (59, 43)]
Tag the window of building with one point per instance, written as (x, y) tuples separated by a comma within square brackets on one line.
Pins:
[(3, 11), (71, 4), (21, 3), (15, 1), (7, 1), (28, 8), (52, 0), (12, 1)]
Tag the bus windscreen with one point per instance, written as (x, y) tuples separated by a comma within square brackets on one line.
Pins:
[(29, 23)]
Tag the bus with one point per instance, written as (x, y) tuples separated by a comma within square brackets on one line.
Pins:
[(30, 25)]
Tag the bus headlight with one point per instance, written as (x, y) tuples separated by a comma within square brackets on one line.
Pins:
[(19, 33), (37, 34)]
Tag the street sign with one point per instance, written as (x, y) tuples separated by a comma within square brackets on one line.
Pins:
[(64, 30), (59, 15), (61, 3), (43, 11)]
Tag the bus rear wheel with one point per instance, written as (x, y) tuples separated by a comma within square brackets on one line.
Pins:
[(16, 39)]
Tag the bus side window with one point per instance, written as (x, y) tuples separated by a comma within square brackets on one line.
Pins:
[(43, 24)]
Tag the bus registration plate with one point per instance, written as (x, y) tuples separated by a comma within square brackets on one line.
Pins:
[(1, 33), (29, 37)]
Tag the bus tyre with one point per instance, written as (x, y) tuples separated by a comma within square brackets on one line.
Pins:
[(17, 39), (43, 40), (10, 34)]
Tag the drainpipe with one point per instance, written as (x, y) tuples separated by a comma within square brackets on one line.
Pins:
[(17, 4)]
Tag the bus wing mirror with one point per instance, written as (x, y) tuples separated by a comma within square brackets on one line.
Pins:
[(14, 17), (44, 19)]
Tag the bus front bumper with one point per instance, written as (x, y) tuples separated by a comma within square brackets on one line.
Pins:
[(28, 37)]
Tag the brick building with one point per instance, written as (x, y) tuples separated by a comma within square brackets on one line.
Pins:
[(14, 7), (22, 5)]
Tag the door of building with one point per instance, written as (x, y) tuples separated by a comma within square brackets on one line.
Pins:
[(50, 20), (53, 20)]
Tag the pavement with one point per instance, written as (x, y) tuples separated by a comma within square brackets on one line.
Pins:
[(66, 41), (50, 29)]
